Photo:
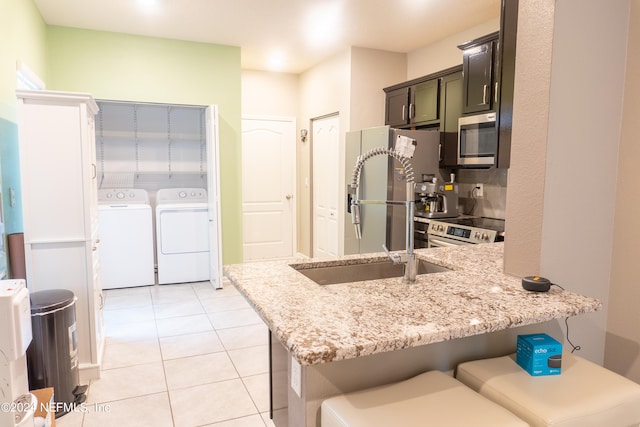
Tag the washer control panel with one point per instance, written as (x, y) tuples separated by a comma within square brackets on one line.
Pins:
[(122, 196), (181, 195)]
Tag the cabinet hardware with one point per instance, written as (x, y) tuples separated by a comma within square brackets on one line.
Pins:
[(404, 107), (484, 94), (289, 196), (412, 112), (495, 93)]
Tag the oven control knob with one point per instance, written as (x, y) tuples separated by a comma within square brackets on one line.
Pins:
[(485, 237), (440, 227)]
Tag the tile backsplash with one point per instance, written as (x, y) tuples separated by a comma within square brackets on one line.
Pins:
[(493, 202)]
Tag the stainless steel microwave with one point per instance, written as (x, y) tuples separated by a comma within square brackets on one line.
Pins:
[(477, 140)]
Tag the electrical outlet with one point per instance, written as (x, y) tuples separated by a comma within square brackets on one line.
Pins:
[(479, 190), (296, 377)]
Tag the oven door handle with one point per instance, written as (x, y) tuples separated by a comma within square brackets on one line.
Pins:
[(445, 243), (423, 232)]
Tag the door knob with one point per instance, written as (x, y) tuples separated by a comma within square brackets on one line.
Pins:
[(289, 196)]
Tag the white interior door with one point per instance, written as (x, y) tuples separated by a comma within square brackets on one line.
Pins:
[(213, 191), (268, 186), (326, 140)]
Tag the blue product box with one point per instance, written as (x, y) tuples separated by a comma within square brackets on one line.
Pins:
[(539, 354)]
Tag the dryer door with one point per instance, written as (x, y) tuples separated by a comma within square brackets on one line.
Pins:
[(184, 230)]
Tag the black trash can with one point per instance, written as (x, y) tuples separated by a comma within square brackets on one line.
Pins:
[(52, 356)]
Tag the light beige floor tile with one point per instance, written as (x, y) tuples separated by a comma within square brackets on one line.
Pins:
[(244, 336), (131, 354), (123, 301), (251, 360), (234, 318), (202, 286), (190, 345), (178, 308), (166, 294), (267, 421), (131, 332), (183, 325), (152, 410), (128, 315), (71, 419), (252, 421), (217, 304), (209, 292), (136, 290), (123, 383), (198, 370), (258, 386), (210, 403)]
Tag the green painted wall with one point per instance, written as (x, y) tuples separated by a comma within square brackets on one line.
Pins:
[(22, 38), (121, 67), (134, 68)]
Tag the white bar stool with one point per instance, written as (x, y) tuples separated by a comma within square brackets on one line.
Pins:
[(429, 399), (583, 395)]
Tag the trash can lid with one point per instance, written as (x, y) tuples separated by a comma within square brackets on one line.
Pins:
[(51, 299)]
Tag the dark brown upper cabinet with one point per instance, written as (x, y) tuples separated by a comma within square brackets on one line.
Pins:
[(450, 112), (480, 92), (409, 105), (426, 102)]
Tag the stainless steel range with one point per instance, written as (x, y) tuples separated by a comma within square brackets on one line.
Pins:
[(464, 231)]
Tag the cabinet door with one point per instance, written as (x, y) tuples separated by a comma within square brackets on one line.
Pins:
[(451, 87), (424, 102), (477, 63), (397, 109)]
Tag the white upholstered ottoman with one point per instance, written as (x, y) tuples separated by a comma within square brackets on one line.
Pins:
[(429, 399), (583, 395)]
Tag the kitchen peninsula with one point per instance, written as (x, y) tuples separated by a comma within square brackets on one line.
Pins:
[(375, 332)]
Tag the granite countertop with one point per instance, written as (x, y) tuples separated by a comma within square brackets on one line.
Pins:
[(319, 324)]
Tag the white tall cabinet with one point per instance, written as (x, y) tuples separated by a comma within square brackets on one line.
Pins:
[(60, 212)]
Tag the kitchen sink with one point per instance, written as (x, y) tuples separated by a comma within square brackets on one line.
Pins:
[(333, 274)]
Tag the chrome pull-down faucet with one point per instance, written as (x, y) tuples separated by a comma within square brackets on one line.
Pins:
[(407, 258)]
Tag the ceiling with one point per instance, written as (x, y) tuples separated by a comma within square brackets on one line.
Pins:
[(279, 35)]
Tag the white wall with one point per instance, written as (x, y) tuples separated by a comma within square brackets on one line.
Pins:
[(269, 94), (445, 53), (622, 352), (562, 178), (371, 71), (582, 155), (324, 89)]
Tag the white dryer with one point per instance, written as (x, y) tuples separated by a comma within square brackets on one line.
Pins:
[(126, 238), (182, 235)]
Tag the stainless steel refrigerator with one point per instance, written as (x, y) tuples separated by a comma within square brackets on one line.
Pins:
[(383, 178)]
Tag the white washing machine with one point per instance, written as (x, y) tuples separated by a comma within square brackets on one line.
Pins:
[(126, 238), (182, 235)]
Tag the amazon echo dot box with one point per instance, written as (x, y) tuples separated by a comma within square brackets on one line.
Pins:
[(539, 354)]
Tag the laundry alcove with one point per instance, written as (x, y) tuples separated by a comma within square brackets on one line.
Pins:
[(152, 146)]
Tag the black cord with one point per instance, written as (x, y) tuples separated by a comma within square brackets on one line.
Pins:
[(573, 347), (475, 201), (566, 322)]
